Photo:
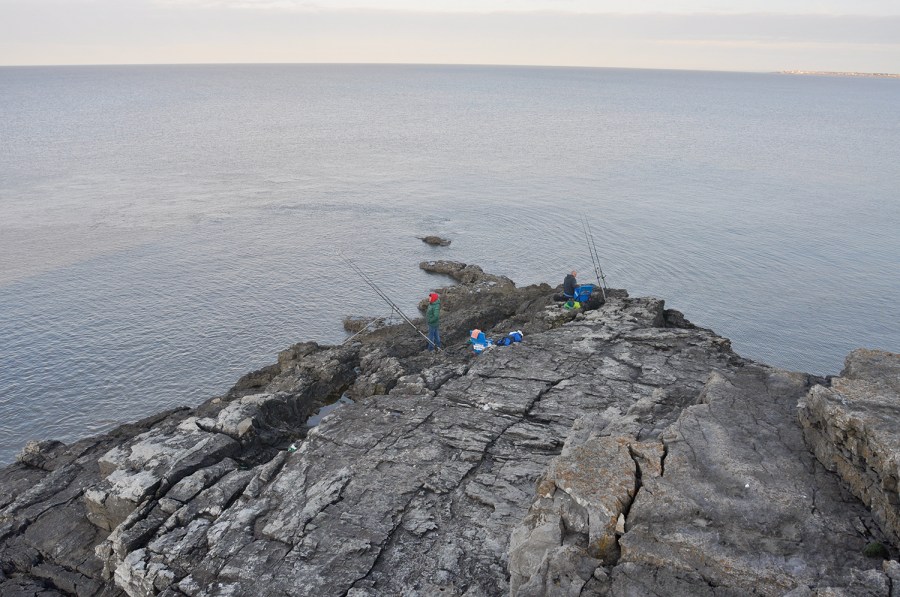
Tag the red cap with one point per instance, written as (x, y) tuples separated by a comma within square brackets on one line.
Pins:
[(432, 297)]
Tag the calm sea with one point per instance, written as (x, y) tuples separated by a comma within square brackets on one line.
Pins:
[(164, 229)]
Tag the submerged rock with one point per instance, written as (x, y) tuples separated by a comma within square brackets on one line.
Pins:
[(618, 450), (435, 241)]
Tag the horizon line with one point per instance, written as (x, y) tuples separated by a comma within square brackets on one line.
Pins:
[(782, 71), (449, 64)]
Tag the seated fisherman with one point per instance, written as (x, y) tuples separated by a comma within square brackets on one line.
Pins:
[(569, 285)]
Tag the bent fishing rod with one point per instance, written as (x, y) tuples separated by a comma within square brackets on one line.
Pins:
[(595, 257), (371, 283)]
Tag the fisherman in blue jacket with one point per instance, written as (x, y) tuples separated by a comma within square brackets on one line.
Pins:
[(569, 285)]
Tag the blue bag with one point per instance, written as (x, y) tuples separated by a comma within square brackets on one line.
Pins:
[(479, 342), (583, 292)]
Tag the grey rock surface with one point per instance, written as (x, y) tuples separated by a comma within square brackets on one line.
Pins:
[(742, 503), (618, 450)]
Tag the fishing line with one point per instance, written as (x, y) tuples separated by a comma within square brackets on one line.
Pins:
[(371, 283)]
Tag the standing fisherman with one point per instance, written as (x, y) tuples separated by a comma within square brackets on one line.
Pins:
[(384, 297), (432, 318)]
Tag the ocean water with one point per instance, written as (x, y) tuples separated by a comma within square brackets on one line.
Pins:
[(165, 229)]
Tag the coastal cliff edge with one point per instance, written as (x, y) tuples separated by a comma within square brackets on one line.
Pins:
[(618, 450)]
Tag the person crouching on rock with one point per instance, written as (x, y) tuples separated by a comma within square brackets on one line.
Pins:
[(432, 318), (569, 285)]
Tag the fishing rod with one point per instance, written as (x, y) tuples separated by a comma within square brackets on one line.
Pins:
[(595, 257), (371, 283)]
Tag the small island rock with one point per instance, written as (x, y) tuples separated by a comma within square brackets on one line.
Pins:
[(435, 241)]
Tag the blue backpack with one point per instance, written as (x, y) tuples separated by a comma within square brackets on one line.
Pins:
[(583, 293), (509, 339)]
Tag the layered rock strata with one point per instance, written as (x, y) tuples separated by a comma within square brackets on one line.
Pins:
[(619, 450), (853, 427)]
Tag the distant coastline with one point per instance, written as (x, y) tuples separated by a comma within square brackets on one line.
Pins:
[(823, 73)]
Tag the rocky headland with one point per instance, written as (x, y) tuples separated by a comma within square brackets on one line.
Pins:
[(618, 450), (823, 73)]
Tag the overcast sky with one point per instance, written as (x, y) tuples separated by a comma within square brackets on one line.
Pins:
[(763, 35)]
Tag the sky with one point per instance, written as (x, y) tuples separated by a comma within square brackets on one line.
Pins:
[(758, 36)]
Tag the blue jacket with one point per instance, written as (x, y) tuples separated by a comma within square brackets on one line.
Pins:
[(569, 285)]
